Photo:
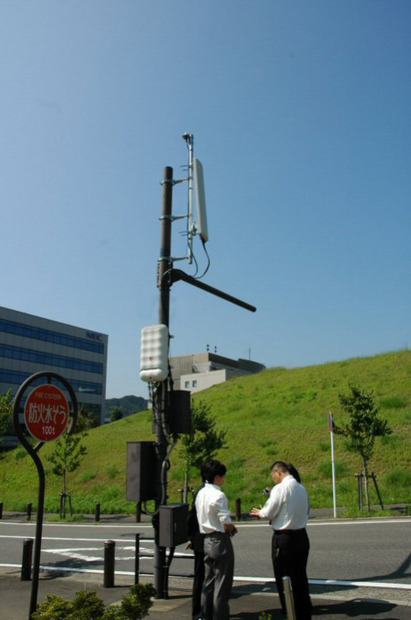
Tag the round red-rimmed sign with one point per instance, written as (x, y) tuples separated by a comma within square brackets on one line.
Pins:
[(46, 412)]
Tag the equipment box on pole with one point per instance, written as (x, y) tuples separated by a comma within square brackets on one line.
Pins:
[(173, 525)]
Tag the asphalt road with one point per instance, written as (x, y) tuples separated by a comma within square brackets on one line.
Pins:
[(376, 550)]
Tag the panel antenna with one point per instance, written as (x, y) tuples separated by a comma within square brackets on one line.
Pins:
[(201, 227)]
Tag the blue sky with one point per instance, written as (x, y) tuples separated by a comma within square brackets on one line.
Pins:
[(300, 113)]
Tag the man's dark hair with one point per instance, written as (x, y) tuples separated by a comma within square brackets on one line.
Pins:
[(211, 469), (294, 472), (280, 466)]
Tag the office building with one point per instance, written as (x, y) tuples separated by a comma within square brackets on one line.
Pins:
[(30, 344), (202, 370)]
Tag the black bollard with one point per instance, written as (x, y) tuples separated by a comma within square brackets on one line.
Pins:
[(97, 516), (138, 512), (109, 557), (26, 560), (29, 509), (238, 509), (1, 510)]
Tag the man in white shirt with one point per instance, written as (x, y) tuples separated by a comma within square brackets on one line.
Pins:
[(215, 525), (288, 509)]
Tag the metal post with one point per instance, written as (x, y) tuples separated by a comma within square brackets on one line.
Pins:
[(374, 477), (26, 560), (109, 557), (39, 530), (29, 509), (1, 510), (160, 400), (33, 451), (360, 492), (137, 560), (62, 505), (97, 514), (138, 512), (331, 425), (289, 598), (238, 509)]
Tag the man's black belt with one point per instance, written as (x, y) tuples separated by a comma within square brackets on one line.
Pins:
[(302, 529)]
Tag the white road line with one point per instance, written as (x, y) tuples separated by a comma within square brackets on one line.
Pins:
[(78, 524), (311, 523), (324, 582), (80, 554), (338, 522), (117, 540), (332, 582)]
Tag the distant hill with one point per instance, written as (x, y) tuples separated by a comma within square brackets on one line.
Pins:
[(128, 405)]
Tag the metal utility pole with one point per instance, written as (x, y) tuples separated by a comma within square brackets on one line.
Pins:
[(160, 397)]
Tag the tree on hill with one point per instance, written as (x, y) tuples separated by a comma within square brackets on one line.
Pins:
[(85, 420), (66, 458), (363, 428), (6, 406), (117, 414), (203, 442)]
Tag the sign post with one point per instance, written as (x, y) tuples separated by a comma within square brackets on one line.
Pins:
[(331, 427), (47, 414)]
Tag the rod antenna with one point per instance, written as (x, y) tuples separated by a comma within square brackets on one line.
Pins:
[(189, 138)]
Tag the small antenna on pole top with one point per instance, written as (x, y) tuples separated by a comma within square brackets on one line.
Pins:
[(189, 138), (195, 183)]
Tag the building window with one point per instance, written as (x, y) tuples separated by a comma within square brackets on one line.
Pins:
[(195, 383), (15, 377), (46, 335), (49, 359), (187, 384)]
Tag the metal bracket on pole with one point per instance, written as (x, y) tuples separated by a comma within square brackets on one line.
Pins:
[(177, 275), (172, 218), (173, 181)]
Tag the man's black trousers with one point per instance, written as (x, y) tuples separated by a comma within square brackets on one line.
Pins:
[(289, 554)]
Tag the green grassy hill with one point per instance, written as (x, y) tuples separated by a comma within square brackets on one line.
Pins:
[(277, 414)]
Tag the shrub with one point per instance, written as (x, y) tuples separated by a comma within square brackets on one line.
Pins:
[(137, 604), (88, 606), (53, 608)]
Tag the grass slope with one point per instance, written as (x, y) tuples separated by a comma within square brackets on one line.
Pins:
[(277, 414)]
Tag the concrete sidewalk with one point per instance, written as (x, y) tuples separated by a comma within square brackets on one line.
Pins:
[(248, 602)]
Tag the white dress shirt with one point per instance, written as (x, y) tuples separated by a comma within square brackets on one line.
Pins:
[(212, 509), (288, 505)]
